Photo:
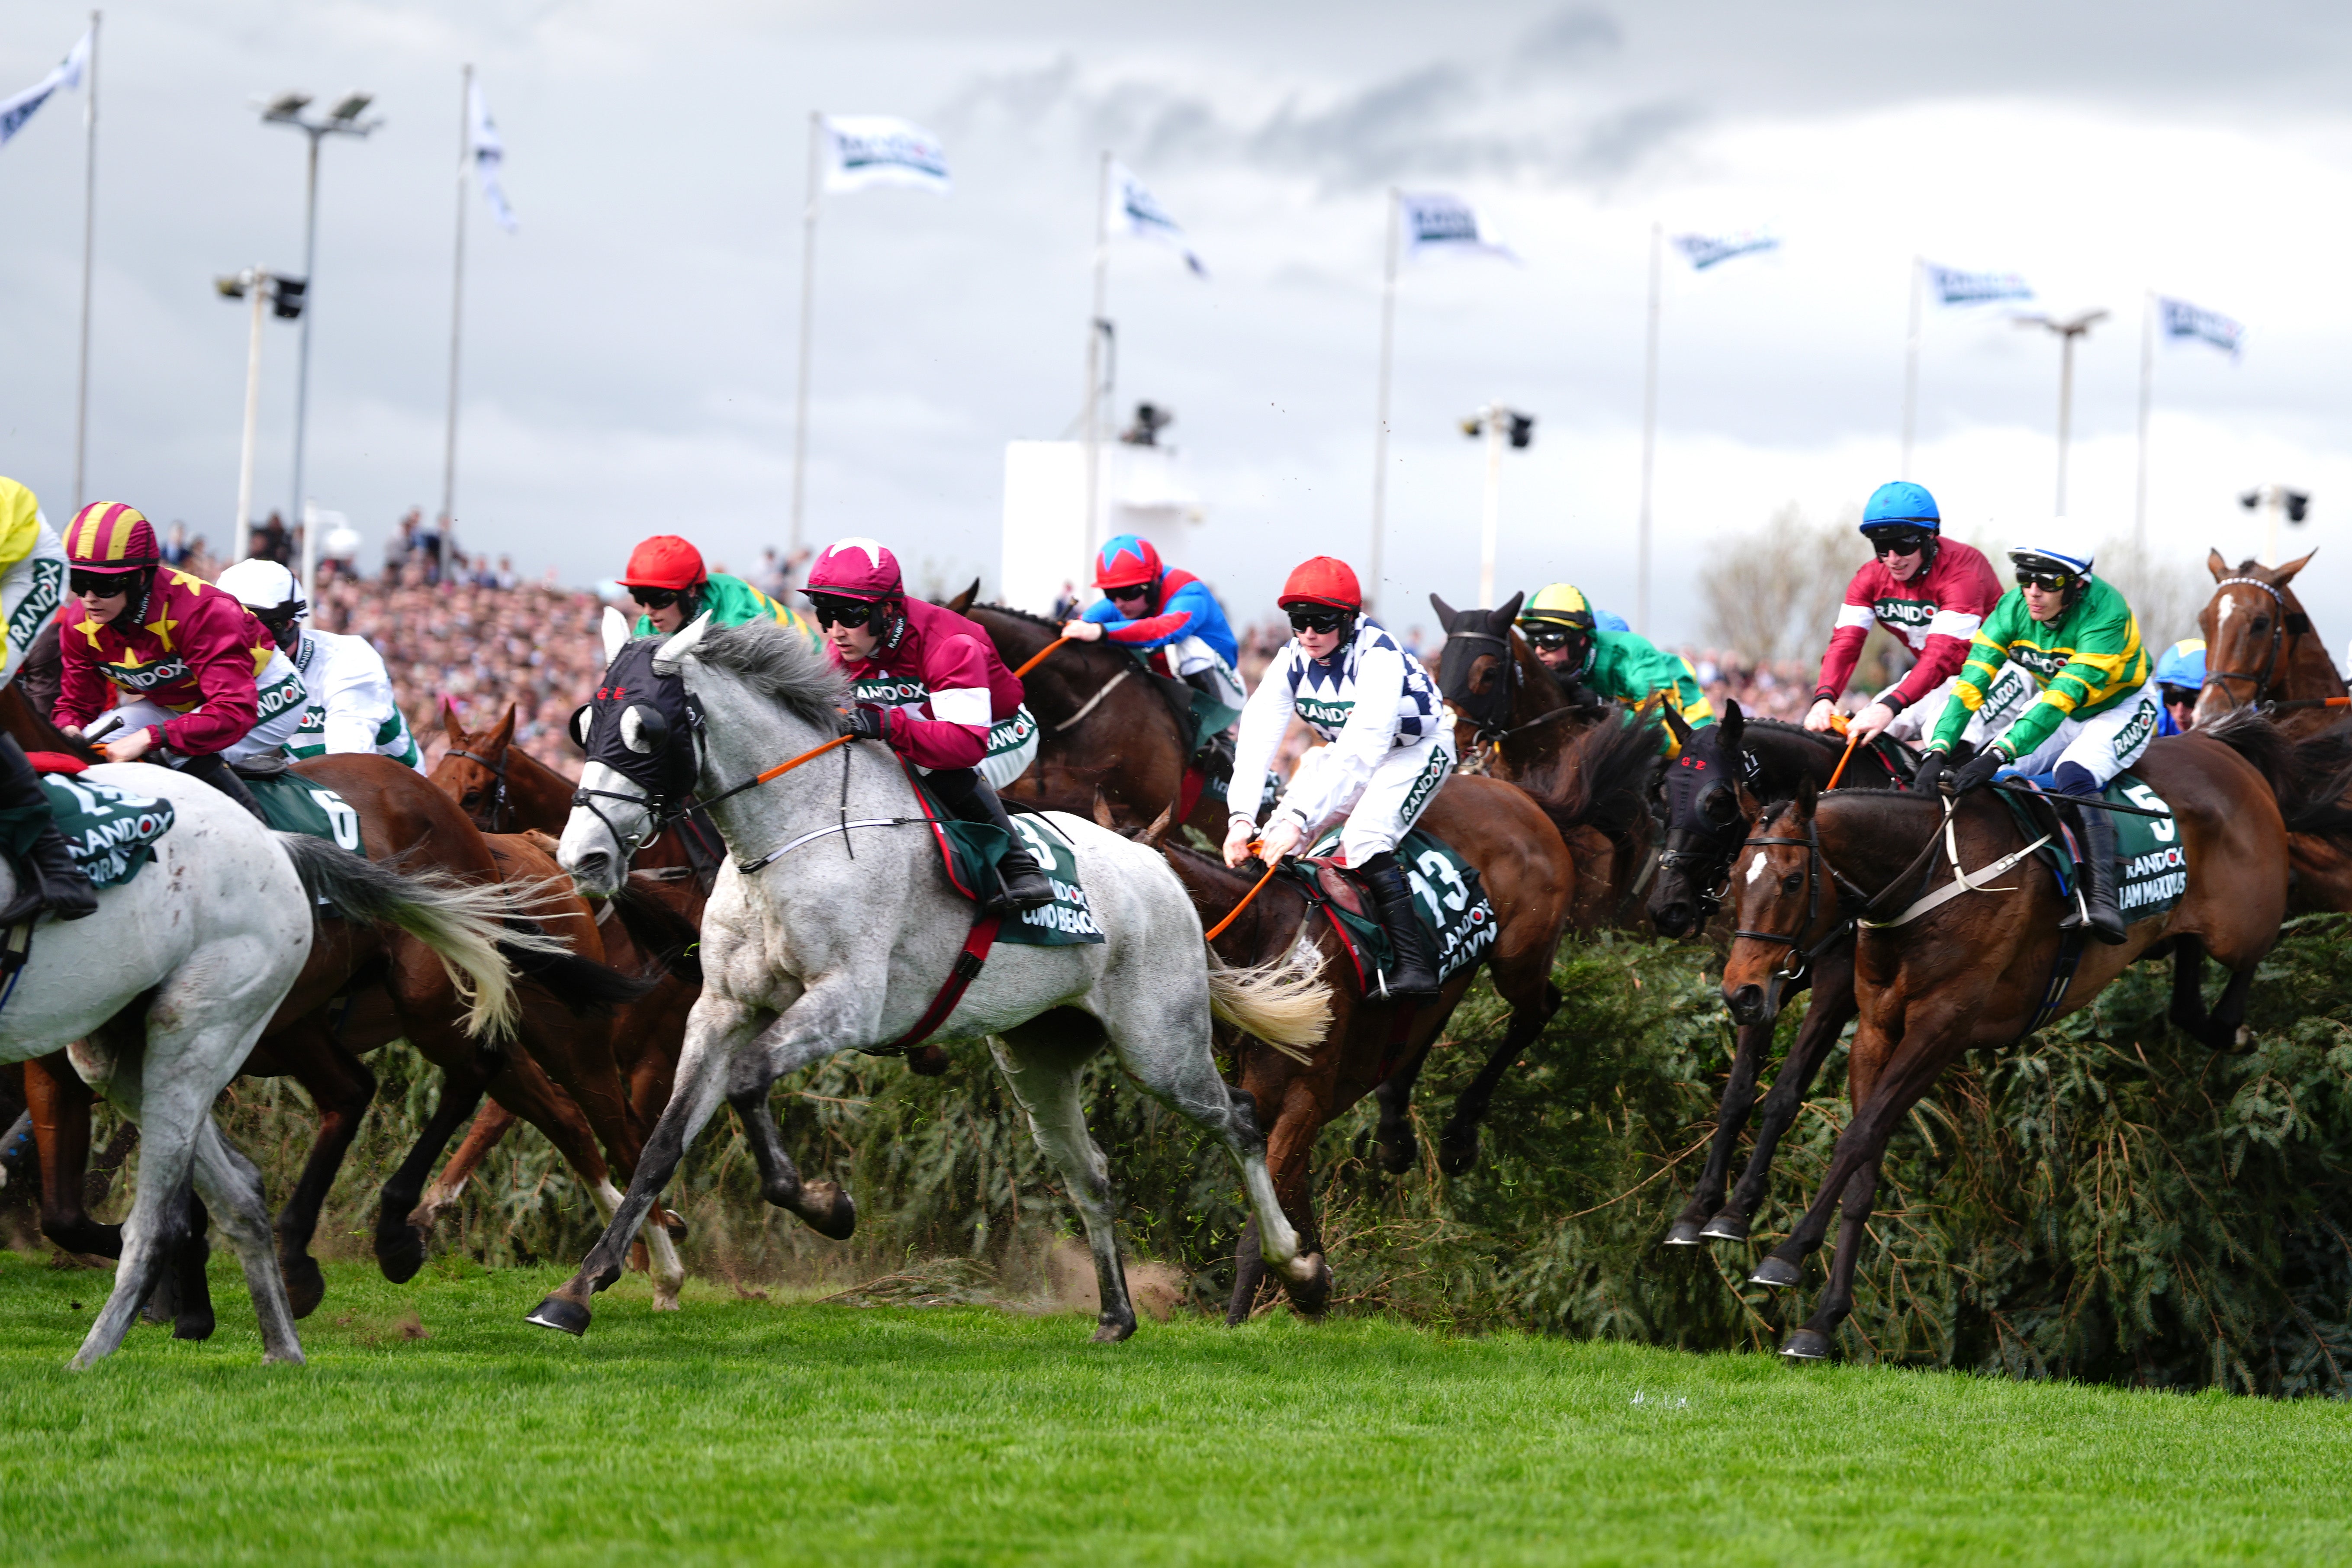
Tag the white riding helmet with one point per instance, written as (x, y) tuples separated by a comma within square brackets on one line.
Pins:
[(261, 583), (2055, 546)]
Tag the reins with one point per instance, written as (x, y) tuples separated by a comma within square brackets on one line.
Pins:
[(498, 771)]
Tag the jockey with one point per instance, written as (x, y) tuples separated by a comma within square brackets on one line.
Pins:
[(202, 684), (1388, 749), (1166, 612), (668, 580), (929, 684), (1594, 664), (2057, 683), (1929, 591), (32, 585), (2179, 679), (352, 707)]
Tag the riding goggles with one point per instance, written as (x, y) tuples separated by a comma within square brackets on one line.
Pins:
[(1897, 542), (99, 585), (1126, 592), (657, 598), (1552, 639), (2048, 582), (833, 611), (1316, 619), (2177, 696)]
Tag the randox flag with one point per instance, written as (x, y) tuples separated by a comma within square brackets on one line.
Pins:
[(1136, 211), (864, 150), (1706, 250), (1446, 225), (1954, 287), (15, 111), (489, 152), (2182, 320)]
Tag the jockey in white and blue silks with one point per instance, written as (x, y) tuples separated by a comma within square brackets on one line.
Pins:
[(352, 706), (1389, 747)]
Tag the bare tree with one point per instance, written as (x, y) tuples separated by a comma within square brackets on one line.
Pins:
[(2165, 596), (1773, 593)]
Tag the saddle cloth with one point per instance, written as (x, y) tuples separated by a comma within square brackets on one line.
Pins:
[(969, 852), (111, 832), (293, 803), (2151, 869), (1447, 897)]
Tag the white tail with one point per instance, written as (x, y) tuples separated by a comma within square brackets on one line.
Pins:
[(1282, 1002)]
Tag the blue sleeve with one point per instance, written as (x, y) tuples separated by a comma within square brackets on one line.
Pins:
[(1102, 612)]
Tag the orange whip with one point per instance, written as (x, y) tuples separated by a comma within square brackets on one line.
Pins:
[(1852, 740), (1219, 929), (1038, 658), (782, 768)]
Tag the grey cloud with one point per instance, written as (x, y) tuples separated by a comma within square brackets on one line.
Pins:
[(1571, 36)]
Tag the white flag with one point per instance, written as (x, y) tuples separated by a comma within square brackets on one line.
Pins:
[(15, 111), (864, 150), (1954, 287), (1137, 210), (1706, 250), (1447, 225), (2183, 320), (489, 152)]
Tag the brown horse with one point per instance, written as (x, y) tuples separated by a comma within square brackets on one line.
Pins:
[(1934, 979), (1373, 1044), (2260, 648)]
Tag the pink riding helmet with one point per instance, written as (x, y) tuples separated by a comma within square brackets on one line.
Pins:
[(857, 569)]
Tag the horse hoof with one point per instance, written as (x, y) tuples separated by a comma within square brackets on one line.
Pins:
[(1399, 1155), (931, 1061), (193, 1325), (1112, 1331), (1725, 1226), (826, 1209), (399, 1251), (665, 1299), (1456, 1152), (1686, 1233), (673, 1223), (1807, 1345), (1312, 1295), (306, 1287), (555, 1312), (1777, 1272)]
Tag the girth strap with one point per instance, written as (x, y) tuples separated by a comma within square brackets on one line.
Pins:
[(965, 970)]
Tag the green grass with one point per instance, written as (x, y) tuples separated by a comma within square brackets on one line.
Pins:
[(747, 1429)]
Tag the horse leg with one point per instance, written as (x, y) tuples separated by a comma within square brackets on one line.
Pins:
[(2223, 1029), (1289, 1151), (159, 1207), (823, 1206), (233, 1186), (341, 1088), (1810, 1341), (1731, 1118), (399, 1248), (1040, 1062), (1457, 1146), (491, 1124), (1399, 1151), (1825, 1019), (60, 1104), (1249, 1274)]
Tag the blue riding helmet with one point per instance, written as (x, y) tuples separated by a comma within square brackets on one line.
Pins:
[(1902, 504), (2182, 664)]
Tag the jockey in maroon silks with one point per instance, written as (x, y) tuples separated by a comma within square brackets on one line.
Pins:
[(929, 684)]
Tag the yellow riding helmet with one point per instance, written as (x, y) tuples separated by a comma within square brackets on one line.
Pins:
[(1561, 604)]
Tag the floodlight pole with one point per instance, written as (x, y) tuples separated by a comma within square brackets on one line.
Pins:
[(1490, 522), (258, 285), (2068, 331), (88, 231), (1095, 327), (1380, 422), (457, 312), (1649, 432), (808, 315), (1911, 365), (2146, 391)]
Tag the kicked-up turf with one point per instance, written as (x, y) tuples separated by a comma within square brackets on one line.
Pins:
[(433, 1425)]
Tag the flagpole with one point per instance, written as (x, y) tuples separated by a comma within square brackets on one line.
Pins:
[(457, 301), (88, 228), (260, 285), (1380, 423), (808, 313), (2147, 388), (1649, 431), (1094, 356), (1911, 367)]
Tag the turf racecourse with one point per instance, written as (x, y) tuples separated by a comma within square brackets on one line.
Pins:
[(743, 1430)]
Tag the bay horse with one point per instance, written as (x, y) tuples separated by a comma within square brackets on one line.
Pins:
[(1935, 979), (1727, 773), (825, 945), (2260, 649), (1373, 1044)]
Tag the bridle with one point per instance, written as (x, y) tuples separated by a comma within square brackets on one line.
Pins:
[(2287, 628), (498, 771), (1817, 866), (1491, 733)]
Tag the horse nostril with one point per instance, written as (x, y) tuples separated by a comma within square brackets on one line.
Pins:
[(1747, 1004), (1672, 919)]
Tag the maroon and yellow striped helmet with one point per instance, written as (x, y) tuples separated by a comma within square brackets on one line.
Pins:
[(108, 536)]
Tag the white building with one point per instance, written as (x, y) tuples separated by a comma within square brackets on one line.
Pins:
[(1141, 489)]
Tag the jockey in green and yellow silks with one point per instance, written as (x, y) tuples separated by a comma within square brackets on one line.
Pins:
[(666, 579), (1588, 659)]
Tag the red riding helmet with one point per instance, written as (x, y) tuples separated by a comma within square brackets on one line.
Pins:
[(665, 560), (857, 569), (1127, 562), (108, 536), (1324, 580)]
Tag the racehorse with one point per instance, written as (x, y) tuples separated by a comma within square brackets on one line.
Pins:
[(164, 991), (1938, 970), (1727, 774), (2260, 649), (831, 929), (1374, 1045)]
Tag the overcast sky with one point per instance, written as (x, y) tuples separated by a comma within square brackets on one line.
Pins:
[(630, 351)]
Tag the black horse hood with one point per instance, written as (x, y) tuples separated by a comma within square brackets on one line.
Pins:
[(642, 724)]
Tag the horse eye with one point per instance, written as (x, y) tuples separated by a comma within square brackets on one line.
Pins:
[(1717, 807), (1792, 882)]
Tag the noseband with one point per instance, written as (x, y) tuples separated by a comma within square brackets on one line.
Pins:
[(1817, 864), (2289, 625)]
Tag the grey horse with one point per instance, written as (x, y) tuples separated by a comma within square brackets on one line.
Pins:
[(844, 928)]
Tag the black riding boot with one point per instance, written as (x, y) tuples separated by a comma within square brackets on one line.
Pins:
[(214, 771), (1414, 978), (52, 881), (2098, 831), (1021, 884)]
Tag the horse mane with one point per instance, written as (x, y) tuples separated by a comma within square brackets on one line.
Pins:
[(781, 665), (1601, 779), (1029, 616)]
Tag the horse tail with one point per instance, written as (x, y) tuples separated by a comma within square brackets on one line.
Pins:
[(583, 985), (1280, 1002), (1603, 778), (467, 924)]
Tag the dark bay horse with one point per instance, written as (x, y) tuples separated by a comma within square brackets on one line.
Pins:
[(1727, 774), (1371, 1044), (1935, 979), (2260, 648)]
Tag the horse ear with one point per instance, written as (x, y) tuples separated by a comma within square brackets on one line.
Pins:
[(1102, 811), (616, 633), (1509, 612), (2216, 565), (963, 602), (1444, 612), (1674, 722), (671, 654), (1806, 797), (503, 736), (1733, 725), (449, 725), (1159, 828), (2286, 572)]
